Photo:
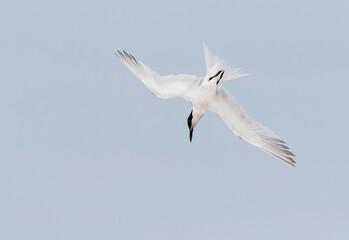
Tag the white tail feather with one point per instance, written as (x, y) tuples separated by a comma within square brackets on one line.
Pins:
[(214, 64)]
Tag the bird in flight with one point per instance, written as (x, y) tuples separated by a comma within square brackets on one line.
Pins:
[(204, 94)]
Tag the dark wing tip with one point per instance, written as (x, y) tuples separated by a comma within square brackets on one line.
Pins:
[(126, 56), (283, 157), (119, 54)]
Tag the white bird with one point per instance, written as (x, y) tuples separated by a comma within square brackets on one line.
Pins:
[(205, 94)]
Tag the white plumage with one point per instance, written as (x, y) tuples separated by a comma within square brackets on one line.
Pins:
[(214, 64), (204, 94)]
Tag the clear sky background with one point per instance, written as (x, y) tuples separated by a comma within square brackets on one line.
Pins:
[(87, 152)]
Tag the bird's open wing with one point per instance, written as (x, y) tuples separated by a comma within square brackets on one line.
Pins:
[(214, 64), (227, 108), (164, 87)]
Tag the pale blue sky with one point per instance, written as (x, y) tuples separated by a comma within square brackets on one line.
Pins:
[(87, 152)]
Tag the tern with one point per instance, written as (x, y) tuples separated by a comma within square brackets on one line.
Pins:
[(204, 94)]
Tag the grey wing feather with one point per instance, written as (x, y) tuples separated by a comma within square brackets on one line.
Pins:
[(227, 108)]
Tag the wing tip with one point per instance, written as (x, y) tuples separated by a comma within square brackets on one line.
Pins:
[(127, 57), (119, 54), (285, 157)]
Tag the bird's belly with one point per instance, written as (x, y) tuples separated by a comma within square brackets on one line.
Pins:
[(203, 98)]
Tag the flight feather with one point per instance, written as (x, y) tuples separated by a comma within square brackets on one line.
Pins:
[(234, 116), (164, 87)]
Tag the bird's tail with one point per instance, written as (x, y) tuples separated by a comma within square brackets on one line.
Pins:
[(214, 64)]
